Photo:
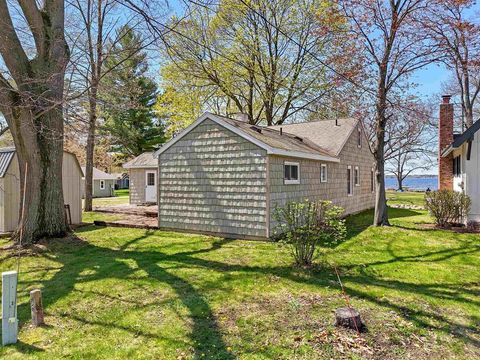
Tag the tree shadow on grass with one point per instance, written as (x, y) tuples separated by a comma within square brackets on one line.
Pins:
[(205, 334)]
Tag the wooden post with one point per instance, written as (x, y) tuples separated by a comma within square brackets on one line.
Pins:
[(9, 308), (37, 307)]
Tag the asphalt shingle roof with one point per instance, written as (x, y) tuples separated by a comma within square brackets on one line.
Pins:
[(100, 175), (143, 160), (330, 135), (272, 137)]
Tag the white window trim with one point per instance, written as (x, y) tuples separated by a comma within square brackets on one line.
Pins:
[(359, 138), (350, 188), (357, 170), (102, 184), (324, 166), (291, 182)]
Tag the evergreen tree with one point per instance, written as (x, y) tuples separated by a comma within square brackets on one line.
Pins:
[(129, 94)]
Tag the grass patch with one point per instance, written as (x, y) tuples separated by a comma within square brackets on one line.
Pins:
[(405, 198), (131, 293)]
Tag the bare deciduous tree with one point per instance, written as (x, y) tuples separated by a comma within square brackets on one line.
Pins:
[(394, 49), (458, 35), (410, 141)]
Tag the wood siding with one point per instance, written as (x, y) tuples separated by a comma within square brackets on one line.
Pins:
[(137, 185), (335, 189), (10, 192), (213, 181)]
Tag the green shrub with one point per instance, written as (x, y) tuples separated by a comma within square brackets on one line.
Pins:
[(306, 225), (447, 207)]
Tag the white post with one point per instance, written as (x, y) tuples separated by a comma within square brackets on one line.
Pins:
[(9, 308)]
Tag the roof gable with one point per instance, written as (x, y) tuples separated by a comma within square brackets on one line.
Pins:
[(271, 140), (7, 154), (461, 139), (99, 174)]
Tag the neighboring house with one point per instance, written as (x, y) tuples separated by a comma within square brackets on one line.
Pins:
[(459, 159), (103, 183), (122, 181), (143, 178), (10, 199), (225, 177)]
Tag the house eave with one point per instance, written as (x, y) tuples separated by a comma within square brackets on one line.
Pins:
[(302, 155), (140, 167)]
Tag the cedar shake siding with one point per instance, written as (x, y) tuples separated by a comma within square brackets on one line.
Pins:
[(137, 186), (213, 181), (335, 189)]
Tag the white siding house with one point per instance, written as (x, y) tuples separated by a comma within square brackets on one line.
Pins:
[(459, 159)]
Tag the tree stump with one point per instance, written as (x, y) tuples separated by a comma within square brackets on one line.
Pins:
[(350, 318), (37, 307)]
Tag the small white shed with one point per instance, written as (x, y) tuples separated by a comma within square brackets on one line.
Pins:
[(143, 172), (10, 188)]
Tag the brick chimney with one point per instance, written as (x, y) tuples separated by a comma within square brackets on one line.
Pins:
[(445, 138)]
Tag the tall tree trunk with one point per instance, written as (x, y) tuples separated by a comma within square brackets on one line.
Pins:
[(41, 152), (400, 182), (381, 213), (92, 124), (31, 102)]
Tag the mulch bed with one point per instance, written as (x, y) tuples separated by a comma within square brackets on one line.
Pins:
[(455, 229)]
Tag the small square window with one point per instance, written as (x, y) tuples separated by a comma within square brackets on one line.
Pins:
[(291, 172), (151, 179), (357, 176), (323, 173)]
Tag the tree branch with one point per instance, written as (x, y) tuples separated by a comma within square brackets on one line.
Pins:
[(35, 22), (11, 49)]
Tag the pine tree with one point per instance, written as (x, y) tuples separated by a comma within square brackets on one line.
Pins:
[(128, 95)]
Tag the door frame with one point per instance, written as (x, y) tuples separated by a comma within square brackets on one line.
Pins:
[(155, 174)]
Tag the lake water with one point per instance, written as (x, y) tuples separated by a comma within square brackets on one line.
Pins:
[(413, 183)]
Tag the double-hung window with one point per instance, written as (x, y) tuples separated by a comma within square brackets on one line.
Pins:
[(457, 166), (357, 176), (349, 181), (102, 184), (291, 173), (323, 173)]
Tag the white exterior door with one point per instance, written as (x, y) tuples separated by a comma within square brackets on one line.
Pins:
[(151, 186)]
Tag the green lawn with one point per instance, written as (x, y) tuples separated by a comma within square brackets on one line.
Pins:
[(405, 198), (121, 198), (130, 293)]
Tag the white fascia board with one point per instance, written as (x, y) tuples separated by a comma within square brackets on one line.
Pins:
[(302, 155), (140, 167), (447, 151)]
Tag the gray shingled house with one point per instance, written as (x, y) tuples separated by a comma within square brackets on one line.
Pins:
[(225, 177), (143, 178), (103, 183)]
